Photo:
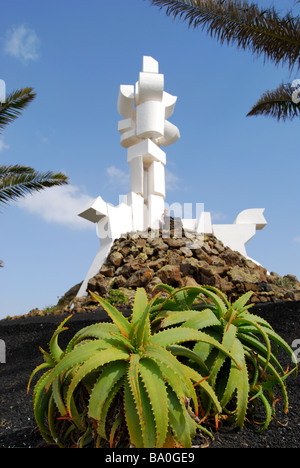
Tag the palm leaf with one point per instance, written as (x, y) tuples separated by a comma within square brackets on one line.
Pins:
[(18, 181), (278, 104), (235, 22), (15, 103)]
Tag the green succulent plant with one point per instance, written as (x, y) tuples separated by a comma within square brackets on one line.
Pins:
[(250, 339), (123, 381)]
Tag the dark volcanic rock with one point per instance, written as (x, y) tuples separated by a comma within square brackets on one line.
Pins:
[(144, 259)]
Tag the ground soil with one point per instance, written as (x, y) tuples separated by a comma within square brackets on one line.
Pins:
[(23, 337)]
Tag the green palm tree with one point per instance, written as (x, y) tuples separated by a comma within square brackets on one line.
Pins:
[(261, 31), (17, 180)]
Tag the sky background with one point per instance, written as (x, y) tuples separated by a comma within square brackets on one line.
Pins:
[(76, 55)]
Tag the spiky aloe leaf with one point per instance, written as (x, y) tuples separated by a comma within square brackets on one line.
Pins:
[(142, 329), (40, 367), (181, 423), (242, 395), (266, 327), (156, 391), (97, 330), (190, 318), (218, 298), (97, 360), (101, 429), (139, 305), (132, 418), (268, 409), (219, 293), (260, 329), (240, 303), (227, 341), (143, 407), (202, 382), (105, 384), (55, 351), (176, 335), (252, 318), (75, 357), (122, 323), (277, 379), (179, 350), (51, 422), (205, 318), (116, 424), (171, 318), (234, 374), (173, 372), (237, 381), (257, 346), (40, 406), (57, 396)]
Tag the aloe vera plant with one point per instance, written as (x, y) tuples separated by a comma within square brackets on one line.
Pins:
[(123, 381), (254, 370)]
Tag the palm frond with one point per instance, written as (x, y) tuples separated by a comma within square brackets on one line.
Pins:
[(260, 31), (15, 103), (18, 181), (277, 104)]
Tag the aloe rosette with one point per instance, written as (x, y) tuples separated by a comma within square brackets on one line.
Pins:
[(123, 379), (254, 370)]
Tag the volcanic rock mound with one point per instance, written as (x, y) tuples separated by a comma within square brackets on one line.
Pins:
[(145, 259)]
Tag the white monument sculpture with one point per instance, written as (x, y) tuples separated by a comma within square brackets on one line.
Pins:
[(145, 109)]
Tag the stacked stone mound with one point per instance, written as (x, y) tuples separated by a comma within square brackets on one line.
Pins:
[(145, 259)]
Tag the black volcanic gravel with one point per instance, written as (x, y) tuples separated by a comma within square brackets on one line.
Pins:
[(23, 337)]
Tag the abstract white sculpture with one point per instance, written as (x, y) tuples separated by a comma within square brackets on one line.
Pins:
[(145, 109)]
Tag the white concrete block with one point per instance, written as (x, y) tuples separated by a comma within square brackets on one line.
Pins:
[(189, 223), (146, 184), (148, 150), (96, 265), (125, 125), (170, 136), (157, 179), (136, 202), (234, 236), (150, 119), (129, 138), (150, 65), (95, 210), (126, 101), (150, 88), (252, 216), (103, 230), (120, 219), (156, 207), (169, 102), (204, 224), (137, 175)]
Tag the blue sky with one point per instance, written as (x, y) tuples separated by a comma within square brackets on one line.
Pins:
[(76, 55)]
